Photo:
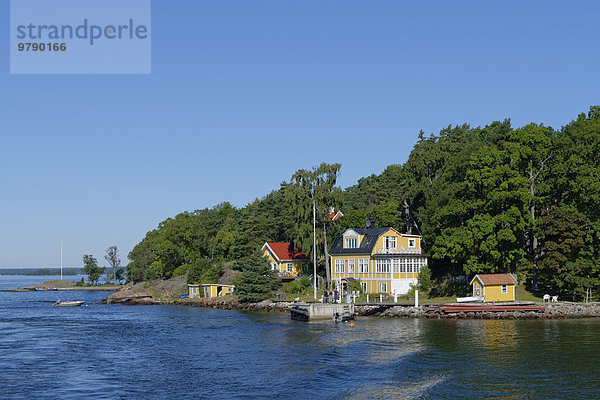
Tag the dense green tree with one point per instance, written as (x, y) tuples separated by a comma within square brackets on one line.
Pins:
[(257, 281), (197, 269), (120, 275), (531, 149), (313, 193), (91, 269), (569, 264)]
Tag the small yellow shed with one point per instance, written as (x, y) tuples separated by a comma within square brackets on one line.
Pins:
[(194, 291), (494, 287), (217, 290)]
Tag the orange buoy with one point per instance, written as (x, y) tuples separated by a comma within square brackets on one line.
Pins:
[(352, 325)]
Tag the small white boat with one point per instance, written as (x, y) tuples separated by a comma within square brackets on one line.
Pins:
[(67, 303), (470, 299)]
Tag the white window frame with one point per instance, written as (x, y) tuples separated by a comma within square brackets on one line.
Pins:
[(382, 266), (351, 265), (363, 265), (273, 266), (339, 266), (363, 287), (350, 243), (395, 265), (382, 287), (390, 242), (403, 265), (290, 267), (504, 289), (412, 243)]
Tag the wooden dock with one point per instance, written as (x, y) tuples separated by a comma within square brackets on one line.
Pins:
[(319, 311)]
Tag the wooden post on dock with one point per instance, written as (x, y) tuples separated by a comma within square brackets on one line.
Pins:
[(416, 298), (367, 297)]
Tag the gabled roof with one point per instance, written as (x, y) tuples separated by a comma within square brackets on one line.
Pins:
[(285, 251), (495, 279), (334, 216), (366, 245)]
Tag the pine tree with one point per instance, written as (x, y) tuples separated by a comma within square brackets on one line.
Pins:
[(257, 281)]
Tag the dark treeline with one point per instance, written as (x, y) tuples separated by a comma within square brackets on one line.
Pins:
[(39, 271), (486, 199)]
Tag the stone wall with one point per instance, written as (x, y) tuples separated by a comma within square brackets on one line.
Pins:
[(550, 311)]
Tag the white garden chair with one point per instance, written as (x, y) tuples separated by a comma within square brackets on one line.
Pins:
[(546, 297), (555, 299)]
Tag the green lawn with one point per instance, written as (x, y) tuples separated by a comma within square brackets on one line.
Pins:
[(524, 295)]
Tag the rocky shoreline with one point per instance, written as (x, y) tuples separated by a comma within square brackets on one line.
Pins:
[(548, 311)]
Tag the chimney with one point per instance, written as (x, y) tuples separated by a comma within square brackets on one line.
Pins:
[(370, 222)]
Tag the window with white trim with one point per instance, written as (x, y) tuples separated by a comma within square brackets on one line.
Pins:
[(351, 265), (350, 243), (290, 267), (504, 288), (389, 242), (339, 266), (382, 287), (403, 265), (383, 265), (363, 287), (412, 242), (273, 265), (395, 265), (363, 265), (409, 265)]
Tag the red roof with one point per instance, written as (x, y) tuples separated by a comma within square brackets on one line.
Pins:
[(496, 279), (334, 216), (285, 251)]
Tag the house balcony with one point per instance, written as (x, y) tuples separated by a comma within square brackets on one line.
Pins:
[(399, 250), (290, 276)]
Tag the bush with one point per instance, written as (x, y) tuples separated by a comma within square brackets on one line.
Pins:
[(298, 286), (449, 288), (197, 268), (212, 275), (181, 270), (425, 279)]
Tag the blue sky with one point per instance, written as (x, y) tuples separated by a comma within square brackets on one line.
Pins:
[(243, 93)]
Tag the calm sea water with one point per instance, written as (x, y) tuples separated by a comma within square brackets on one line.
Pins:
[(168, 352)]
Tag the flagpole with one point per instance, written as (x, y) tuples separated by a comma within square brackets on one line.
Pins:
[(315, 243), (61, 262)]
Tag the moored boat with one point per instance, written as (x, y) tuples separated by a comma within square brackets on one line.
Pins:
[(67, 303)]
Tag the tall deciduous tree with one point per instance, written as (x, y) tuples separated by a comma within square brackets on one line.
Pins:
[(531, 150), (112, 257), (313, 190)]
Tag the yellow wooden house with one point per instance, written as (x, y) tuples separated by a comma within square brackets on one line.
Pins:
[(210, 290), (383, 259), (217, 290), (494, 287), (287, 260)]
